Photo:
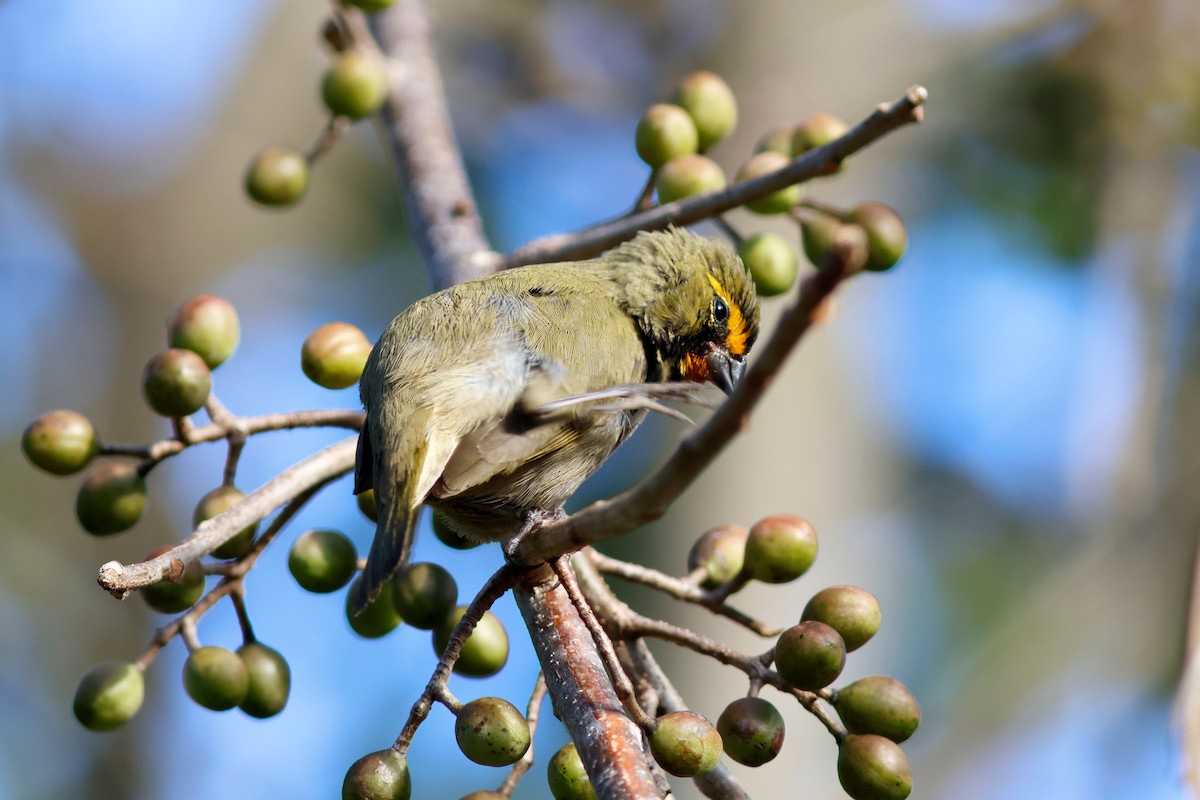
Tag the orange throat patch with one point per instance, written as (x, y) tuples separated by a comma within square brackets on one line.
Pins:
[(693, 367)]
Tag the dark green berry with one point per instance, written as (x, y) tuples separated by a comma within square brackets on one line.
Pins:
[(382, 775), (176, 383), (323, 561), (111, 498), (355, 86), (687, 176), (172, 597), (447, 535), (333, 356), (371, 6), (878, 704), (886, 235), (424, 593), (109, 695), (810, 655), (772, 261), (851, 611), (780, 548), (566, 776), (491, 731), (208, 326), (60, 442), (829, 242), (665, 132), (685, 744), (216, 678), (711, 104), (486, 650), (269, 680), (366, 504), (778, 201), (873, 768), (751, 731), (278, 176), (379, 618), (219, 500), (720, 552)]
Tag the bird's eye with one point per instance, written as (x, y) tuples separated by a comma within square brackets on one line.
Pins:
[(720, 311)]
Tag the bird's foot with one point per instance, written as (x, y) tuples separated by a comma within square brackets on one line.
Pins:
[(534, 519)]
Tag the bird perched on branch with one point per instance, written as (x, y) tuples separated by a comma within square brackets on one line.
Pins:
[(495, 399)]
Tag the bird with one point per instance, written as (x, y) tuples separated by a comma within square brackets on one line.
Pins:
[(494, 399)]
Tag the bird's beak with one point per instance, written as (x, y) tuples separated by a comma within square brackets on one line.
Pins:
[(725, 370)]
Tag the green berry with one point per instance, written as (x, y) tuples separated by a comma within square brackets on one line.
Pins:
[(751, 731), (355, 86), (269, 680), (873, 768), (109, 695), (111, 498), (851, 611), (720, 552), (780, 548), (685, 744), (491, 731), (219, 500), (778, 140), (665, 132), (448, 536), (366, 504), (810, 655), (886, 235), (371, 6), (778, 201), (772, 261), (176, 383), (323, 561), (566, 776), (333, 356), (215, 678), (711, 104), (208, 326), (172, 597), (829, 242), (687, 176), (424, 593), (278, 176), (815, 131), (486, 650), (878, 704), (379, 618), (382, 775), (60, 442)]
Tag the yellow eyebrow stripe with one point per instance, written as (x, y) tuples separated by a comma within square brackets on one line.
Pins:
[(735, 341)]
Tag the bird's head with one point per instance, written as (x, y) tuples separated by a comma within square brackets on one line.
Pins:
[(694, 300)]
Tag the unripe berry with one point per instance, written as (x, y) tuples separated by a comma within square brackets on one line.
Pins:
[(751, 731), (851, 611), (685, 744), (269, 680), (687, 176), (371, 6), (382, 775), (219, 500), (828, 241), (208, 326), (355, 86), (111, 498), (333, 356), (109, 695), (278, 176), (711, 104), (486, 650), (491, 731), (566, 776), (779, 200), (665, 132), (886, 234), (778, 140), (780, 548), (450, 537), (379, 618), (721, 552), (815, 131), (176, 383), (215, 678), (873, 768), (367, 505), (878, 704), (172, 597), (772, 261), (810, 655), (322, 561), (424, 593), (60, 442)]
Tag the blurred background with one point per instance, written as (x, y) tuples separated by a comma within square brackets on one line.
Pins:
[(998, 438)]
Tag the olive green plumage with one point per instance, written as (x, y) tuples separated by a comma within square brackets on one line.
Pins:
[(456, 386)]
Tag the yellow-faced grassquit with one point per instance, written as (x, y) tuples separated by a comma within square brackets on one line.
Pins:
[(493, 400)]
